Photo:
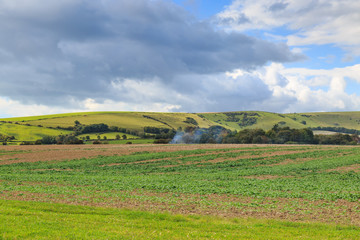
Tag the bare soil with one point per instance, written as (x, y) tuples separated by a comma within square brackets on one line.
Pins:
[(35, 153)]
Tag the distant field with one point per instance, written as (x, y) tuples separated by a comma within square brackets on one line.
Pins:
[(307, 191), (136, 121), (318, 132), (28, 133), (130, 120), (109, 135)]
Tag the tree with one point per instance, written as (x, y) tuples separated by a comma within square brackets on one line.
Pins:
[(124, 136), (117, 137)]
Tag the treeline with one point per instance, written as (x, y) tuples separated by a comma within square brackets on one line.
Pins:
[(276, 135), (337, 139), (165, 134), (100, 128)]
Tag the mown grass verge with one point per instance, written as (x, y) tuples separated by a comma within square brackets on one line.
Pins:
[(35, 220)]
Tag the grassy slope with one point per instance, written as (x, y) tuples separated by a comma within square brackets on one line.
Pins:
[(130, 120), (333, 119), (28, 133), (136, 121), (31, 220), (266, 120)]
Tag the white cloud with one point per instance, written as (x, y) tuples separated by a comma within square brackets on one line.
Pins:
[(313, 22), (311, 89)]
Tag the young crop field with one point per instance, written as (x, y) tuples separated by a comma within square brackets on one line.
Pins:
[(180, 191)]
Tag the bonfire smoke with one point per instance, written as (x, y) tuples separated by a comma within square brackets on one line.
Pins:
[(200, 135)]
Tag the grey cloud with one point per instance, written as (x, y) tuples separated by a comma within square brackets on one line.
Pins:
[(228, 21), (278, 6), (75, 49)]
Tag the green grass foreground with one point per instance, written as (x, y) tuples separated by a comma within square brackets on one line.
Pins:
[(35, 220)]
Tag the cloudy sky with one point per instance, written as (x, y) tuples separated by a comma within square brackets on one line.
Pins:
[(179, 56)]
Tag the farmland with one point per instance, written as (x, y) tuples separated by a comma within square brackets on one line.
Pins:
[(33, 128), (297, 191)]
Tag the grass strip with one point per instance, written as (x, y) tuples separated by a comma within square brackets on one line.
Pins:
[(36, 220)]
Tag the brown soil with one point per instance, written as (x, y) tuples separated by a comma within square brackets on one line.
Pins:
[(354, 167), (68, 152), (35, 153)]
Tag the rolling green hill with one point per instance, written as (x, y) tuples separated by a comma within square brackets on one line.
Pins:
[(32, 128)]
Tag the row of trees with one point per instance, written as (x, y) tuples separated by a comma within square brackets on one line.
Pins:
[(276, 135)]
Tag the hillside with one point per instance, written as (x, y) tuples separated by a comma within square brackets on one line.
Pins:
[(32, 128)]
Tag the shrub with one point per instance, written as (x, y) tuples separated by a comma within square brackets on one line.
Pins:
[(162, 141)]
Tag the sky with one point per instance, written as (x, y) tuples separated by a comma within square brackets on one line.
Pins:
[(179, 56)]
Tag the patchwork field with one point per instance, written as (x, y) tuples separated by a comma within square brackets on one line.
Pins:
[(33, 128), (180, 192)]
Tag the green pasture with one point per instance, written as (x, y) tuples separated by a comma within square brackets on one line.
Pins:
[(125, 141), (129, 120), (35, 220), (28, 133), (108, 135), (265, 120), (138, 120), (349, 120)]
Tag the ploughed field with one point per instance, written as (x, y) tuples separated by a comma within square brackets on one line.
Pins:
[(180, 191)]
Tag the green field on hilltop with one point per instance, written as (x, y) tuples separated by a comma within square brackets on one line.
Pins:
[(28, 133), (349, 120), (26, 128), (129, 120)]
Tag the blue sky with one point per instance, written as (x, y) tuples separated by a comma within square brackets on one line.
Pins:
[(204, 9), (179, 56)]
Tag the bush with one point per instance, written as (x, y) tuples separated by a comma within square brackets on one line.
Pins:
[(162, 141), (96, 142)]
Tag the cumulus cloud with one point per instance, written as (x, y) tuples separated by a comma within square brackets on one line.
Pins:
[(312, 22), (310, 89), (56, 53)]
